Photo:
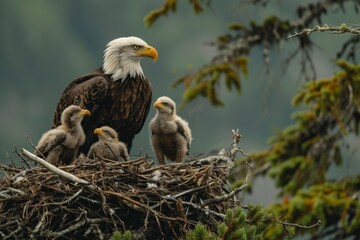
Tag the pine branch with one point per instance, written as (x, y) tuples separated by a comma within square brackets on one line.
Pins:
[(343, 28)]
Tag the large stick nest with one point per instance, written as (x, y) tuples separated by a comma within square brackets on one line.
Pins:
[(154, 202)]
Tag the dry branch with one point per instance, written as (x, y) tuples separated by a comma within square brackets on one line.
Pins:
[(343, 28), (56, 170)]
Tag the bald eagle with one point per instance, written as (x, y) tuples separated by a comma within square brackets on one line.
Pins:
[(117, 94)]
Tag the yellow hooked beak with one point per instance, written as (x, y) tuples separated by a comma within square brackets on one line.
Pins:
[(85, 112), (148, 51), (158, 104), (98, 131)]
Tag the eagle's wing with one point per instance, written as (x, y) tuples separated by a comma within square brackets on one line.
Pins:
[(144, 111), (87, 92), (130, 107), (123, 152), (132, 111), (184, 133), (49, 141)]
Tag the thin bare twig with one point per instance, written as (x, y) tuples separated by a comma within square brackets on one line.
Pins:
[(65, 201), (22, 157), (300, 226), (41, 222), (204, 209), (225, 197), (343, 28), (18, 229)]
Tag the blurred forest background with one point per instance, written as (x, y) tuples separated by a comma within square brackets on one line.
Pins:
[(47, 44)]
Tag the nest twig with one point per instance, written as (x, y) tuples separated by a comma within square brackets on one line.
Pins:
[(92, 198)]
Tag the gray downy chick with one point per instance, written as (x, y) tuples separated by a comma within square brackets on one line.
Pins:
[(108, 146), (61, 144), (170, 134)]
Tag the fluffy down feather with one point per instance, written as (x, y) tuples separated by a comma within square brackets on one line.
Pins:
[(170, 134), (60, 145), (108, 145)]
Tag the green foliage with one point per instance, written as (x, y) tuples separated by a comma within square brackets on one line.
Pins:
[(302, 153), (239, 224), (234, 225), (170, 5), (333, 203), (200, 232), (121, 236), (206, 80)]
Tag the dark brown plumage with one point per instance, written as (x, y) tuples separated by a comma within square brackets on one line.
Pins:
[(117, 94)]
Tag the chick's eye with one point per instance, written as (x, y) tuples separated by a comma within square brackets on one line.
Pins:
[(135, 47)]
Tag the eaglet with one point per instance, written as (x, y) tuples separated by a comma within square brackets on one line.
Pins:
[(170, 134), (61, 144), (108, 145)]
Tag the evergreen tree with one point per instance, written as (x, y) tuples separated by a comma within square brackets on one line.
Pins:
[(300, 156)]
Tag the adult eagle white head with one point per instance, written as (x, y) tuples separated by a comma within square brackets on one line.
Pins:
[(117, 94), (123, 62)]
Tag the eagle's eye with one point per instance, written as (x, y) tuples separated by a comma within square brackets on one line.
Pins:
[(135, 47)]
